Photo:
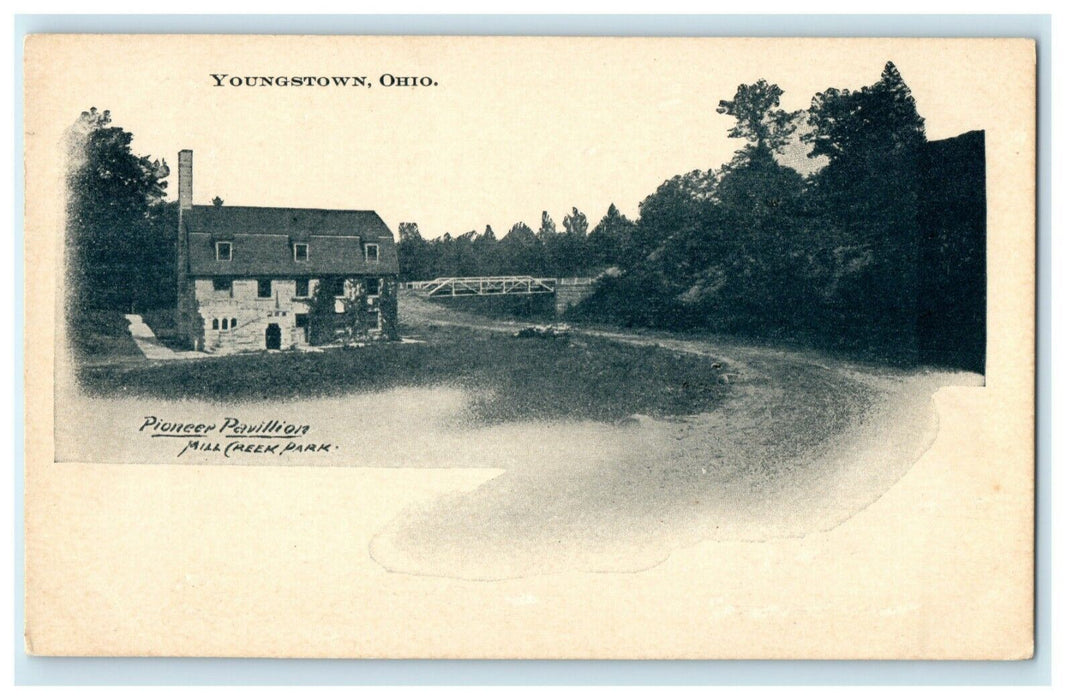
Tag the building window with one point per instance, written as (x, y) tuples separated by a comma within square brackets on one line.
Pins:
[(301, 252), (264, 288), (301, 288), (223, 250), (372, 252), (234, 322), (372, 286), (223, 324), (221, 284), (215, 324), (336, 286)]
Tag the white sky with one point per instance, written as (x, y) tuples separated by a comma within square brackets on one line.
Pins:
[(515, 126)]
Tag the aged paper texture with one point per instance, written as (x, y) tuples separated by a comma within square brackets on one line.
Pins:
[(332, 350)]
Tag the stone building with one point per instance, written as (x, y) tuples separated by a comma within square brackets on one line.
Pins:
[(247, 275)]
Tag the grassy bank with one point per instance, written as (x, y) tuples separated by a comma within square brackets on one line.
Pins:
[(524, 307), (100, 334), (164, 326), (511, 378)]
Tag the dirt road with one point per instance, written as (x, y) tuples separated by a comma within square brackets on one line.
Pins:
[(803, 443)]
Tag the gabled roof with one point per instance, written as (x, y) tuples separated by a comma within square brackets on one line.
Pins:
[(283, 220), (261, 239)]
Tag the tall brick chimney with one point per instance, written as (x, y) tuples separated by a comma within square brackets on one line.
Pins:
[(184, 307), (186, 180)]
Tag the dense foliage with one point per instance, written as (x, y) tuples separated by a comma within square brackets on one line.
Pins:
[(120, 232), (322, 320), (753, 247)]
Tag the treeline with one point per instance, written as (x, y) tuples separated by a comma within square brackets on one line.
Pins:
[(571, 251), (757, 248)]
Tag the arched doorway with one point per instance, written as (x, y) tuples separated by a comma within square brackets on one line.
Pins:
[(272, 337)]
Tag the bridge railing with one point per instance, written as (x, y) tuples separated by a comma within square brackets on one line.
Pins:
[(539, 282), (488, 285)]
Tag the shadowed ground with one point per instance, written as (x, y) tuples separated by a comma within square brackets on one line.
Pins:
[(801, 444), (592, 459)]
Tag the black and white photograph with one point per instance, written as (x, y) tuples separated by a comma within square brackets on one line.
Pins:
[(651, 348)]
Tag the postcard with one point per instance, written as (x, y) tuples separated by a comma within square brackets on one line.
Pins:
[(529, 347)]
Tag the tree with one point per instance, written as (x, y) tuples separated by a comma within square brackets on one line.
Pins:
[(355, 321), (738, 259), (547, 227), (322, 321), (872, 138), (867, 197), (522, 252), (576, 223), (155, 288), (389, 309), (853, 127), (715, 246), (415, 254), (549, 240), (608, 243), (759, 240), (465, 255), (116, 242), (521, 233), (681, 204), (765, 128), (487, 254), (444, 256), (569, 255)]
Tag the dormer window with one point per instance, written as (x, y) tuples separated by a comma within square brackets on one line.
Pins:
[(372, 252), (223, 251), (301, 252)]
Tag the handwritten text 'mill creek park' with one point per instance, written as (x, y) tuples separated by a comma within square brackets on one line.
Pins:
[(232, 436)]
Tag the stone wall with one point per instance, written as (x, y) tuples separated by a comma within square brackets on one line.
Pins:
[(242, 319), (570, 292), (237, 320)]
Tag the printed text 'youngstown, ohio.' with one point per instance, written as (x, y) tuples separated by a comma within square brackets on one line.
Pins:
[(352, 81)]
